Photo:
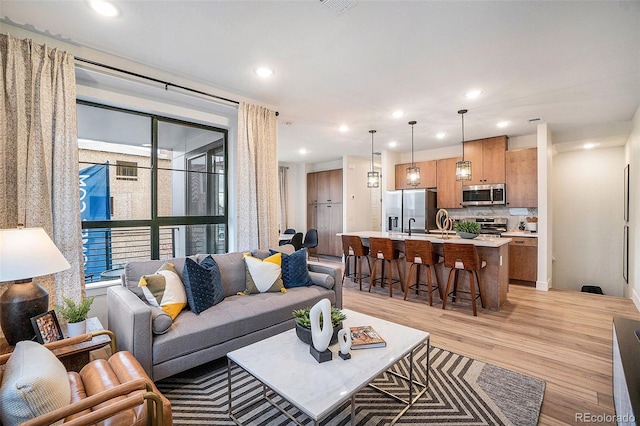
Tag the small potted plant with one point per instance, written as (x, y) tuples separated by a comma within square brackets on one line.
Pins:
[(75, 314), (303, 324), (468, 230)]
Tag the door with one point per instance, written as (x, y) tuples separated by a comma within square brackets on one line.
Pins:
[(205, 196)]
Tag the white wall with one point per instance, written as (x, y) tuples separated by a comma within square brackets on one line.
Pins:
[(588, 219), (632, 157), (357, 204), (545, 207)]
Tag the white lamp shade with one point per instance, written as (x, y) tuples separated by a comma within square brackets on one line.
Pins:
[(28, 252)]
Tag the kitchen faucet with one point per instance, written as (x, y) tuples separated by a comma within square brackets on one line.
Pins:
[(411, 219)]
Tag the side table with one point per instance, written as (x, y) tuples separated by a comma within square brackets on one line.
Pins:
[(74, 357)]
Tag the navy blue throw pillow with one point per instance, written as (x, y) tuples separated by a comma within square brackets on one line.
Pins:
[(202, 283), (294, 269)]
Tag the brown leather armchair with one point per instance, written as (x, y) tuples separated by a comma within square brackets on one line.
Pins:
[(109, 392)]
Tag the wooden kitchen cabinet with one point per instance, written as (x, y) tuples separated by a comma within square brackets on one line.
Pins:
[(523, 259), (522, 177), (428, 175), (487, 158), (449, 190), (324, 209), (328, 186)]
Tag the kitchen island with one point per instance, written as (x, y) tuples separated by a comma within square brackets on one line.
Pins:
[(494, 251)]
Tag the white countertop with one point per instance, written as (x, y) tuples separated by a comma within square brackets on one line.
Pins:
[(520, 234), (481, 241)]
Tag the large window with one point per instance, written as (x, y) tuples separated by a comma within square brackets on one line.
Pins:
[(150, 187)]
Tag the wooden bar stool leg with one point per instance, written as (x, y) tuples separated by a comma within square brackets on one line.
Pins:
[(346, 268), (359, 266), (429, 284), (373, 275), (446, 292), (480, 289), (472, 290), (399, 273), (455, 286), (437, 281), (406, 286)]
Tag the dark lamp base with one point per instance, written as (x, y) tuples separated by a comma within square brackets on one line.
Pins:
[(18, 304)]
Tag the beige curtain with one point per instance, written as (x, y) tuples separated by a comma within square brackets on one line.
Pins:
[(257, 220), (39, 153), (283, 195)]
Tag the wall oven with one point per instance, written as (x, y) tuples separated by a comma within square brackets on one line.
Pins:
[(483, 195)]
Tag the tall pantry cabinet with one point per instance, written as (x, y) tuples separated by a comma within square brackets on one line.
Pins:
[(324, 209)]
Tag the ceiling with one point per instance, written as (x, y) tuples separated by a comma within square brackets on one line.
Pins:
[(574, 64)]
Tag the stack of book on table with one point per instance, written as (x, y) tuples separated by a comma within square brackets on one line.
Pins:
[(365, 337)]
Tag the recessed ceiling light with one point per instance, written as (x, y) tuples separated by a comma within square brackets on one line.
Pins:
[(343, 128), (472, 94), (264, 72), (441, 135), (502, 124), (104, 8), (393, 144), (397, 114), (589, 145), (302, 151)]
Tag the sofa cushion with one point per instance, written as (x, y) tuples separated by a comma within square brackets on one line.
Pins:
[(321, 279), (263, 275), (234, 317), (160, 320), (28, 392), (164, 289), (202, 283), (295, 272), (232, 271)]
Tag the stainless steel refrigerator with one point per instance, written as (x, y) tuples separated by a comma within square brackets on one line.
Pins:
[(402, 205), (393, 206), (419, 204)]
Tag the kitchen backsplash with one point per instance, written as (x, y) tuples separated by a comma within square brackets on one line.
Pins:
[(512, 220)]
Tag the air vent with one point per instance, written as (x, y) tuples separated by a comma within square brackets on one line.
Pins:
[(339, 6), (536, 120)]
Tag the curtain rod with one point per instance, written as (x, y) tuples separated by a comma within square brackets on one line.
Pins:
[(166, 83)]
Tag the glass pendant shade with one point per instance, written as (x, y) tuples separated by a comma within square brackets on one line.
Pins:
[(413, 172), (373, 179), (463, 170), (413, 175)]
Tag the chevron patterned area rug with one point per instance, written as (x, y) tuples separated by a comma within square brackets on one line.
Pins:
[(462, 391)]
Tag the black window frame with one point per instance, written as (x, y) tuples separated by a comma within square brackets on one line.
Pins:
[(156, 222)]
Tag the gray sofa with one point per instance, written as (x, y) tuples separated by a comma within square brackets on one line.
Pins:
[(233, 323)]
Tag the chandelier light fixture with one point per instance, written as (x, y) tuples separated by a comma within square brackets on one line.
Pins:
[(413, 172), (463, 168), (373, 177)]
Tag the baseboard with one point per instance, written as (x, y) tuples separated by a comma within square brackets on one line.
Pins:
[(543, 285), (636, 299)]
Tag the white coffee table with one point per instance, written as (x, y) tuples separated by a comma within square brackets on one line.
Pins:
[(283, 365)]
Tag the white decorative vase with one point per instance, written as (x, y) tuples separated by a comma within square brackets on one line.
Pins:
[(76, 328)]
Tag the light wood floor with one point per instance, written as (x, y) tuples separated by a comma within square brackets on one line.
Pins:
[(561, 337)]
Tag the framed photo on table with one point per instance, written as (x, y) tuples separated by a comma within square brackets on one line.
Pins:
[(47, 327)]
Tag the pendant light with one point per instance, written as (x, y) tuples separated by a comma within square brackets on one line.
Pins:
[(373, 177), (463, 168), (413, 172)]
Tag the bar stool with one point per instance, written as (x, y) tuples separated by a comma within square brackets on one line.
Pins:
[(381, 249), (352, 247), (463, 257), (420, 253)]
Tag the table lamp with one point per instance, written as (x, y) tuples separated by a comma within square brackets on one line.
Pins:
[(25, 253)]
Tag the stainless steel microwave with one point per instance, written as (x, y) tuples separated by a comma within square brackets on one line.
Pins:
[(483, 195)]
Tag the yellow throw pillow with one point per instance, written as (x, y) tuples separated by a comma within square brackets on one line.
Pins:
[(264, 275), (165, 290)]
